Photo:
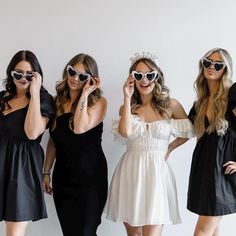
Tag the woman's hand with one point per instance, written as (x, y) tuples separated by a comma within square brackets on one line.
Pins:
[(128, 87), (91, 85), (46, 184), (35, 84), (230, 167)]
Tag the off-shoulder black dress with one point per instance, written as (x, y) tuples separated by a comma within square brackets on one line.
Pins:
[(211, 192), (79, 178), (21, 163)]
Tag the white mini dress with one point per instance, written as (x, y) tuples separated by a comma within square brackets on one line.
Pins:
[(143, 188)]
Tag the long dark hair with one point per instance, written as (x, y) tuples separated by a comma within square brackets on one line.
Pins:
[(63, 90), (8, 83)]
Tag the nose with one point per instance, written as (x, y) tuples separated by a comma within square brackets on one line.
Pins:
[(76, 77), (144, 79)]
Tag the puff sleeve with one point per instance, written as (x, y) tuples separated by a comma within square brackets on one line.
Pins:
[(232, 97), (182, 128), (137, 130), (47, 106), (117, 136)]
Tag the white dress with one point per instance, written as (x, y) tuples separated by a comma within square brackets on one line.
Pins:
[(143, 189)]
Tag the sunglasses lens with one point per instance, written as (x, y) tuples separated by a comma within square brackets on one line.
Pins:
[(151, 76), (206, 63), (71, 72), (219, 66), (16, 75), (83, 77), (138, 76), (29, 77)]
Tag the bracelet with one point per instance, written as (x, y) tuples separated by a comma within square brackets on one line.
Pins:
[(46, 173)]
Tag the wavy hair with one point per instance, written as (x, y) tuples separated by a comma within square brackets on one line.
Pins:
[(63, 90), (220, 100), (160, 95), (8, 83)]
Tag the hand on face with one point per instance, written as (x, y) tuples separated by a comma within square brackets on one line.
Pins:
[(91, 85), (128, 87), (35, 84)]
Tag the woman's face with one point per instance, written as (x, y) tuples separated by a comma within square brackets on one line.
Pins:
[(22, 71), (74, 82), (144, 86), (211, 73)]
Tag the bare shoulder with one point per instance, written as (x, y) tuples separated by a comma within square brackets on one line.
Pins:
[(100, 105), (174, 103), (98, 111), (176, 109), (103, 101)]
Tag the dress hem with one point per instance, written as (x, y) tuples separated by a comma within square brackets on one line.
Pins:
[(143, 224)]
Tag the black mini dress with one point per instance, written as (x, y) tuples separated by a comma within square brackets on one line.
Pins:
[(79, 178), (210, 191), (21, 164)]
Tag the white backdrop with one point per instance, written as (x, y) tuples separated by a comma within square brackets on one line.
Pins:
[(178, 32)]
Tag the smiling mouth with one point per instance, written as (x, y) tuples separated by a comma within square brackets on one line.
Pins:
[(144, 85), (74, 83)]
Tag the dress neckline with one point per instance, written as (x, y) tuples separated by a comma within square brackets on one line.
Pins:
[(17, 110), (152, 122)]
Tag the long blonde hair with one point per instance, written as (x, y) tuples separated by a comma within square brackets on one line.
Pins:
[(160, 99), (63, 90), (219, 105)]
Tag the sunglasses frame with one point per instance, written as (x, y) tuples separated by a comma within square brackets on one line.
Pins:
[(145, 75), (27, 76), (69, 67), (214, 63)]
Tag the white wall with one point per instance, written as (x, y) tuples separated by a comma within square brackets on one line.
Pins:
[(178, 32)]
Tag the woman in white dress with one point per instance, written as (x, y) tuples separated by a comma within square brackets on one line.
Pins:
[(143, 193)]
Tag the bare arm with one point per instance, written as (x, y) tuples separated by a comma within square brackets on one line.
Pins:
[(125, 125), (177, 112), (86, 117), (50, 158), (35, 123)]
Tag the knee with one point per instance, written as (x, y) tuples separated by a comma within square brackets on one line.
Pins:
[(133, 230)]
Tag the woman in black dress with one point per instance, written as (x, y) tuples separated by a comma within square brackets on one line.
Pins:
[(80, 171), (212, 182), (25, 108)]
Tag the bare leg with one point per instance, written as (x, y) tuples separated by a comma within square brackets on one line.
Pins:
[(207, 226), (152, 230), (133, 230), (16, 228)]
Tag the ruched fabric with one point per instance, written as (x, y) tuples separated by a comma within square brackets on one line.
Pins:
[(143, 189)]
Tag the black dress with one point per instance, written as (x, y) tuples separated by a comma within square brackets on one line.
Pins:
[(211, 192), (79, 178), (21, 163)]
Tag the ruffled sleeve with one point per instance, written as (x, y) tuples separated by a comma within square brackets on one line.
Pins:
[(137, 130), (232, 97), (115, 130), (231, 106), (182, 128), (47, 106)]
